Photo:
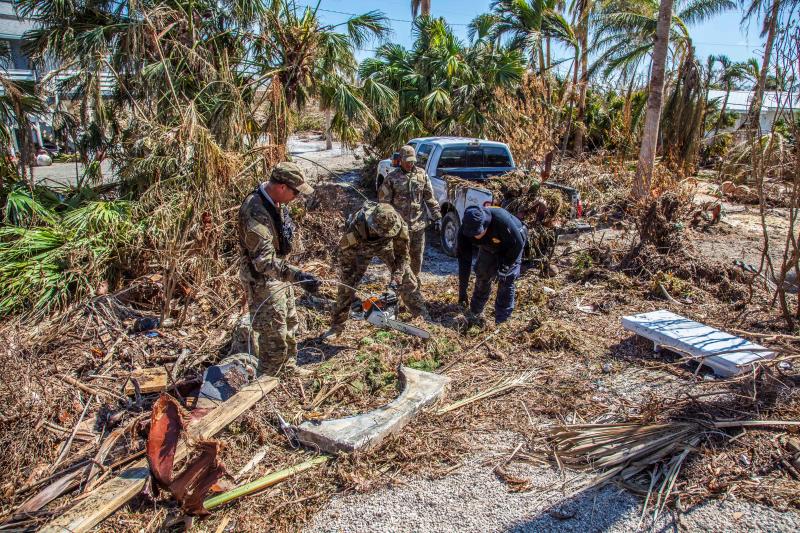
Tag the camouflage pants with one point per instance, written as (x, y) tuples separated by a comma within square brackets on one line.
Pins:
[(416, 249), (274, 324), (352, 267)]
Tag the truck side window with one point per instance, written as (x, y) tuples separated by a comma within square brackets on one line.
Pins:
[(497, 156), (453, 157), (423, 153)]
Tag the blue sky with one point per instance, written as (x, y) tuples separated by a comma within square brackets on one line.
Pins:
[(721, 35)]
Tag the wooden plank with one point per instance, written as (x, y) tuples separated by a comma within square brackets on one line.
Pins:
[(726, 354), (112, 495), (149, 379)]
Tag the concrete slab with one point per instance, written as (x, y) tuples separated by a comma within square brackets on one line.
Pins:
[(724, 353), (367, 430)]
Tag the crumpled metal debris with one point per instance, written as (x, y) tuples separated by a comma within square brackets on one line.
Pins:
[(191, 486)]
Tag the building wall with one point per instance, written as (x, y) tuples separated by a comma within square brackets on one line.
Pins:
[(11, 31)]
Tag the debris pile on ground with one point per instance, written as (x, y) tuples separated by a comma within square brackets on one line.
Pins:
[(80, 388)]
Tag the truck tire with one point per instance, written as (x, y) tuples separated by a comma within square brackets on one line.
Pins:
[(449, 235)]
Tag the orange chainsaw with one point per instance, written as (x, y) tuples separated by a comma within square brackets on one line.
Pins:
[(381, 311)]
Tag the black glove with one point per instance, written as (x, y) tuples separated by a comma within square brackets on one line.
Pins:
[(309, 282)]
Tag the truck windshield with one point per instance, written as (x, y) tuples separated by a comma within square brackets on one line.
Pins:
[(471, 157)]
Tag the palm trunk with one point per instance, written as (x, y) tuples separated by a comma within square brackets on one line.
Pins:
[(754, 114), (542, 64), (647, 151), (722, 110), (328, 132), (571, 104), (549, 56), (582, 95)]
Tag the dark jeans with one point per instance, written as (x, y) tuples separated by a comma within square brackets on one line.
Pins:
[(485, 274)]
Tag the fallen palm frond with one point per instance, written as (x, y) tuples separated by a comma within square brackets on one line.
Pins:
[(504, 385), (621, 452)]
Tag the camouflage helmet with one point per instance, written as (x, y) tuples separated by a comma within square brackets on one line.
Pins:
[(384, 221)]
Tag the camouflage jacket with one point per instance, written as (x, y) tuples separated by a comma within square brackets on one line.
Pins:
[(407, 192), (260, 242), (359, 241)]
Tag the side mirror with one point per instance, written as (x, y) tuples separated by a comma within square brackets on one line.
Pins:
[(396, 159)]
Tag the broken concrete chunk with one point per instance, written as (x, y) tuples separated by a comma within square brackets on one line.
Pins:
[(367, 430), (149, 380), (726, 354)]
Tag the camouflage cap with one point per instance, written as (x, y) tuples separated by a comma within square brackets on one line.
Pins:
[(384, 220), (407, 153), (291, 174)]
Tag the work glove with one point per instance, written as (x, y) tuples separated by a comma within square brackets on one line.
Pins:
[(396, 281), (309, 282)]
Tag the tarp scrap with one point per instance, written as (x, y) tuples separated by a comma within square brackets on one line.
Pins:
[(200, 474)]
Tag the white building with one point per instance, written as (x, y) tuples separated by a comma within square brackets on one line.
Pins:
[(20, 68), (775, 104)]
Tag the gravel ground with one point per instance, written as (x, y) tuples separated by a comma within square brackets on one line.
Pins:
[(475, 499)]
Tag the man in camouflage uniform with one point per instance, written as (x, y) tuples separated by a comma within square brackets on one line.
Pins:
[(265, 235), (375, 231), (406, 189)]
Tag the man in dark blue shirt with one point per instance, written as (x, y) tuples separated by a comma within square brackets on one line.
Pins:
[(500, 238)]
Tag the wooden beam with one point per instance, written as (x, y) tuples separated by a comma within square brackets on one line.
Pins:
[(110, 496), (149, 380)]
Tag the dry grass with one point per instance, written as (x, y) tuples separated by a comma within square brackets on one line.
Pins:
[(586, 370)]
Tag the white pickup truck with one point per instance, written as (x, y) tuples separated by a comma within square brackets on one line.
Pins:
[(475, 160)]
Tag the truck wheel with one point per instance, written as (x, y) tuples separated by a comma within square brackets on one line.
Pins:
[(450, 227)]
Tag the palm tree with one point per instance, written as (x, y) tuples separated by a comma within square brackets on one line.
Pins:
[(771, 9), (420, 5), (308, 59), (582, 10), (647, 151), (527, 23), (18, 100), (730, 73), (625, 31), (440, 85)]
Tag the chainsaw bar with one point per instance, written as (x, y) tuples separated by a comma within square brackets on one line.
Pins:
[(376, 317)]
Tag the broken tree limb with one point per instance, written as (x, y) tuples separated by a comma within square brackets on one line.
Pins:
[(110, 496), (68, 444), (263, 482), (90, 390)]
